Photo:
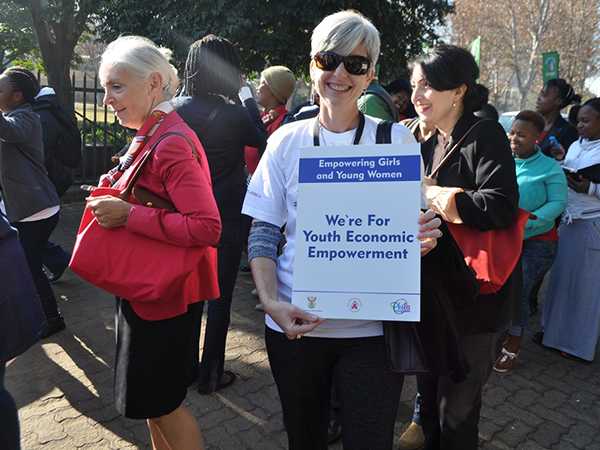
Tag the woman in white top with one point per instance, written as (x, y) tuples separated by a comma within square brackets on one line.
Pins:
[(28, 196), (345, 48), (571, 318)]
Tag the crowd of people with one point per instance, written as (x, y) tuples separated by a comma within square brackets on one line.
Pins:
[(211, 176)]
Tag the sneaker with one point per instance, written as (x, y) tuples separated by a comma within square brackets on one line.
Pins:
[(254, 292), (259, 307), (412, 438), (506, 362)]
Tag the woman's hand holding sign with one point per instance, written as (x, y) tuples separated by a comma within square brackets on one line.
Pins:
[(293, 321), (429, 231)]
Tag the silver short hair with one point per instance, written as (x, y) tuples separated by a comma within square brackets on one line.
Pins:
[(342, 32), (143, 57)]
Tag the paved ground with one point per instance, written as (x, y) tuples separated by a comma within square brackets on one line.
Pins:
[(63, 386)]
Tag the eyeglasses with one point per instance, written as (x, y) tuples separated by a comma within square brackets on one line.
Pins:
[(354, 64)]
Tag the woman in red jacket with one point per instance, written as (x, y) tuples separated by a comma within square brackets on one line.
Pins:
[(154, 338)]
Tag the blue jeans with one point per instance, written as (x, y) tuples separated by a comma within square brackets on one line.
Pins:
[(537, 258), (9, 421)]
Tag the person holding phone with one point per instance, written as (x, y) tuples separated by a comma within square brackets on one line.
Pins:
[(558, 134)]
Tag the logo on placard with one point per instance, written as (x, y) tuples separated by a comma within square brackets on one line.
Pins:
[(400, 306), (311, 302), (354, 305)]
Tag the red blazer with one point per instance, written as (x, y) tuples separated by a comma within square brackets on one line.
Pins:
[(174, 174)]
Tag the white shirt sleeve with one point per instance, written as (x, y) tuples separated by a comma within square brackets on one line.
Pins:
[(266, 199)]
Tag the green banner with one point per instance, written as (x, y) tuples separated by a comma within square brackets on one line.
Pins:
[(476, 49), (550, 63)]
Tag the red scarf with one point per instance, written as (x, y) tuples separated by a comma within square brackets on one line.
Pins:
[(137, 144)]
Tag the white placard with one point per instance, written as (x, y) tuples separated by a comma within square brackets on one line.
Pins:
[(357, 252)]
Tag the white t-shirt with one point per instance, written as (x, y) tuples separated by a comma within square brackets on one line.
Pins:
[(40, 215), (272, 196)]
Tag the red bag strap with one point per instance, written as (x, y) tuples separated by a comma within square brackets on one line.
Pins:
[(455, 147), (138, 170)]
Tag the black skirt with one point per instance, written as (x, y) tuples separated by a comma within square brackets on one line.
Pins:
[(153, 361)]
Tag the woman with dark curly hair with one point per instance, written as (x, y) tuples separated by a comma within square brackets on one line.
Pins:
[(211, 107), (475, 184)]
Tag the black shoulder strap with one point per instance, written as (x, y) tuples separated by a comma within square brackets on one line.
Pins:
[(384, 132)]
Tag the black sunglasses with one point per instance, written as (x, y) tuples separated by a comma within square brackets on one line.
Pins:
[(354, 64)]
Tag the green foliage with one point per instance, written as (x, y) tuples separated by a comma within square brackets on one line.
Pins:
[(17, 39), (32, 63), (271, 32), (116, 135)]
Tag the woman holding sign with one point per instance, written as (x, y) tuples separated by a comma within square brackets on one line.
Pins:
[(473, 183), (306, 352)]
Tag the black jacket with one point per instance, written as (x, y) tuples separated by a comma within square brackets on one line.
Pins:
[(485, 169), (224, 129), (448, 290), (56, 136)]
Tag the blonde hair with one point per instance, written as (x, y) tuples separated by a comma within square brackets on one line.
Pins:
[(142, 57), (342, 32)]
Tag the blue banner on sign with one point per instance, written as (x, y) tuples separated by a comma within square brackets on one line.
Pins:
[(371, 169)]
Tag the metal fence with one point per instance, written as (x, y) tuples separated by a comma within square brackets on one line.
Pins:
[(101, 135)]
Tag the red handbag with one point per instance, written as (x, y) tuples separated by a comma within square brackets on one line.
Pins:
[(492, 254), (136, 267)]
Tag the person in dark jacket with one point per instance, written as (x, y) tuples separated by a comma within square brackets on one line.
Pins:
[(29, 197), (377, 102), (62, 145), (556, 95), (401, 91), (475, 186), (21, 322), (211, 108)]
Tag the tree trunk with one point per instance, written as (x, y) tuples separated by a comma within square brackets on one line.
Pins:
[(57, 42)]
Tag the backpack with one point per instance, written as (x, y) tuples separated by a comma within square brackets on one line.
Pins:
[(378, 91), (68, 145), (383, 134)]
